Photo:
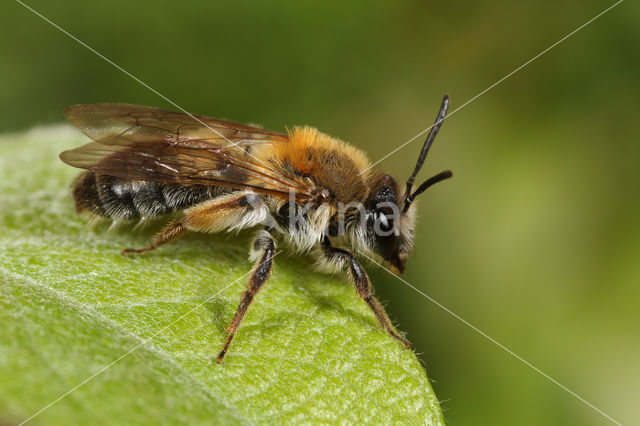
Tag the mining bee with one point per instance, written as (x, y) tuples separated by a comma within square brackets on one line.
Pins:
[(305, 189)]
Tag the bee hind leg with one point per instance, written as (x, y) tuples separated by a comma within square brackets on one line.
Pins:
[(230, 211), (361, 282), (169, 233), (264, 247)]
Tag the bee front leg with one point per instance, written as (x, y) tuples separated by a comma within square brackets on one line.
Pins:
[(362, 284), (264, 247)]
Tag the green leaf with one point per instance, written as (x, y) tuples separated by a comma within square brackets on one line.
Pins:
[(71, 305)]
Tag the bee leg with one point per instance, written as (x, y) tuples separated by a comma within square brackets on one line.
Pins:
[(362, 284), (169, 233), (264, 247), (232, 211)]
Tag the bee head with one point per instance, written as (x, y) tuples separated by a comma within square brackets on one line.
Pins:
[(389, 228), (391, 217)]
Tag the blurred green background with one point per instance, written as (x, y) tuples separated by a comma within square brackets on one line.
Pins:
[(536, 240)]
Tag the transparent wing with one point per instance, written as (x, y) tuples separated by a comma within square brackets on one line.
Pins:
[(145, 143), (109, 123)]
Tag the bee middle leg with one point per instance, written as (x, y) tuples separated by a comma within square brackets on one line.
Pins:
[(264, 246), (362, 284)]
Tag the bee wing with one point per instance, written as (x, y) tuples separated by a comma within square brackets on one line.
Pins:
[(145, 143), (108, 123)]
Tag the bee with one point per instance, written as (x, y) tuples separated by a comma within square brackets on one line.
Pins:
[(304, 189)]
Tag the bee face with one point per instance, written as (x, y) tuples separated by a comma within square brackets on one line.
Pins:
[(390, 229)]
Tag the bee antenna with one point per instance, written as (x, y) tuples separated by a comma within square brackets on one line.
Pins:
[(423, 154), (424, 185)]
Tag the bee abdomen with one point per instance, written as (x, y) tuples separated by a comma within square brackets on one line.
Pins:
[(122, 199), (85, 194)]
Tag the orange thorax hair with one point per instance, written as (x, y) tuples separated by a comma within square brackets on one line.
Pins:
[(331, 163)]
